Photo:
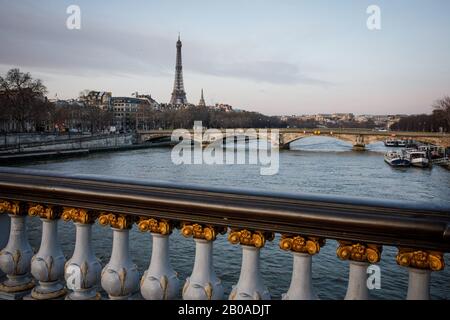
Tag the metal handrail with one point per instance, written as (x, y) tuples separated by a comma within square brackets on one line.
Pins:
[(396, 223)]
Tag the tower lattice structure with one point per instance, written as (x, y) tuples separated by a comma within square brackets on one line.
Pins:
[(202, 101), (178, 94)]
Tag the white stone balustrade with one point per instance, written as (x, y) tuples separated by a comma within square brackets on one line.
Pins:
[(47, 266), (82, 271), (250, 285), (203, 284), (15, 258), (120, 277), (160, 281)]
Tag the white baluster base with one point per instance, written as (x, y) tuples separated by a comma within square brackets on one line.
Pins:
[(48, 291), (203, 284), (418, 284), (47, 266), (250, 285), (84, 294), (120, 277), (357, 281), (85, 265), (15, 260), (160, 281), (301, 284)]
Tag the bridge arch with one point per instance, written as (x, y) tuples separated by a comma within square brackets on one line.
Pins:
[(358, 141), (312, 138), (209, 136), (156, 138), (289, 138), (227, 136)]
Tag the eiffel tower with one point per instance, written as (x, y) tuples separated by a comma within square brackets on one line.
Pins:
[(178, 94), (202, 101)]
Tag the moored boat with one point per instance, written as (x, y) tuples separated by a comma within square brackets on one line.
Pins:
[(390, 143), (396, 143), (401, 143), (418, 158), (397, 159), (432, 151)]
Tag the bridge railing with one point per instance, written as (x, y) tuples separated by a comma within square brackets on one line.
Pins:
[(421, 232)]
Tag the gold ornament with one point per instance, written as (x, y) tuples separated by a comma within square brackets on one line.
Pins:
[(163, 227), (420, 259), (362, 252), (250, 238), (83, 216), (10, 207), (117, 221), (44, 212), (198, 231), (310, 245)]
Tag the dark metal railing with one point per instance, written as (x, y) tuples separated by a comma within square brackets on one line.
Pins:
[(385, 222)]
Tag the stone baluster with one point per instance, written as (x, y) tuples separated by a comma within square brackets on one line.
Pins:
[(15, 258), (47, 266), (420, 264), (250, 285), (203, 284), (303, 248), (5, 225), (82, 271), (120, 277), (160, 281), (360, 255)]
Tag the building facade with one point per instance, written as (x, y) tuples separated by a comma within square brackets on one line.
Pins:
[(100, 99), (127, 110), (223, 107)]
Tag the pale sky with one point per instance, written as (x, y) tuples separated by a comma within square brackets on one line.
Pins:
[(276, 57)]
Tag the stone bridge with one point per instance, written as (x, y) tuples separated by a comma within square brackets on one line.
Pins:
[(358, 138)]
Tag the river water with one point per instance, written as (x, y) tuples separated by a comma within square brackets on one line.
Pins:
[(313, 165)]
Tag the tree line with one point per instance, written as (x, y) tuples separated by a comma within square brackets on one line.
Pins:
[(185, 118), (24, 107), (437, 121)]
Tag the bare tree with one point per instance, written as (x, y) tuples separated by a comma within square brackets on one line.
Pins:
[(21, 94), (442, 109)]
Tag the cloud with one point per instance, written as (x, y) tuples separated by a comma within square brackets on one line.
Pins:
[(265, 71), (34, 36)]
